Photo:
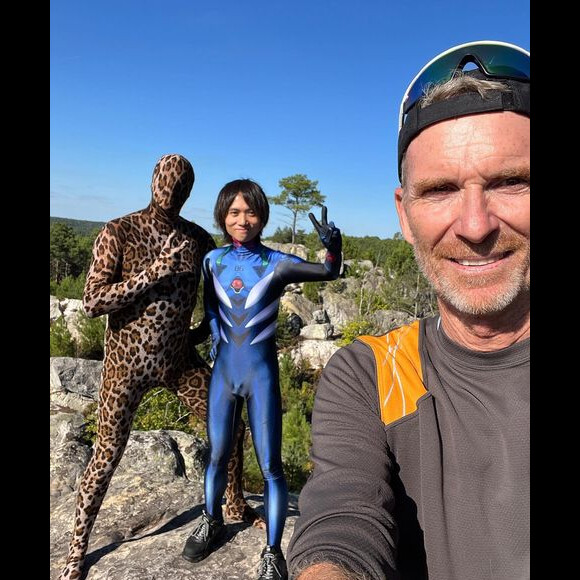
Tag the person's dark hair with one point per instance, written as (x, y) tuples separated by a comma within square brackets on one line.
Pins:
[(253, 195)]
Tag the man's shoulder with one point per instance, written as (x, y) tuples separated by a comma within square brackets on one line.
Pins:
[(398, 367)]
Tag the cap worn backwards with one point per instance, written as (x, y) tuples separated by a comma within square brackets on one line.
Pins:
[(517, 99)]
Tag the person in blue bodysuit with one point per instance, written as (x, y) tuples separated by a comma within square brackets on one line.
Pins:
[(243, 282)]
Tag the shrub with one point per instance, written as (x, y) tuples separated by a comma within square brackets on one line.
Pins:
[(162, 409), (356, 328), (296, 443), (92, 336), (159, 409), (311, 290), (61, 341), (69, 287), (286, 335)]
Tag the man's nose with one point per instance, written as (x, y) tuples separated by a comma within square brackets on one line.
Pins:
[(476, 220)]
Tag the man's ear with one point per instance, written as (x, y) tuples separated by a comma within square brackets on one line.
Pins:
[(401, 211)]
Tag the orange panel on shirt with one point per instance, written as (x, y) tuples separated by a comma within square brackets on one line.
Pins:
[(399, 375)]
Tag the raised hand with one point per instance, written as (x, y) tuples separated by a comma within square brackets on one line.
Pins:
[(170, 260), (329, 234)]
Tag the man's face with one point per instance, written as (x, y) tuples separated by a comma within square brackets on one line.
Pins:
[(465, 207)]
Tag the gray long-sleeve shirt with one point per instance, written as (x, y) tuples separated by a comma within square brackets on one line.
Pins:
[(442, 492)]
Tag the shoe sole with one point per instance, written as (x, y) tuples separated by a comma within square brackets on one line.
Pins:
[(207, 551)]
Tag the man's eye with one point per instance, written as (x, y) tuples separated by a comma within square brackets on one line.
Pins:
[(511, 183), (437, 190)]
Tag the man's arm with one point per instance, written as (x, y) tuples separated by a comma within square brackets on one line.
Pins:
[(347, 504), (327, 571), (103, 292)]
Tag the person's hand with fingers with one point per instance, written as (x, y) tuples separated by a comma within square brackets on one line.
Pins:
[(170, 260), (215, 340), (329, 234)]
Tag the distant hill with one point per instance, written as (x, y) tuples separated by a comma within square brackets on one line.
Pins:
[(82, 227)]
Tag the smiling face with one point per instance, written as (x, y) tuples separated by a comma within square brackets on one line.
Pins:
[(465, 207), (241, 222)]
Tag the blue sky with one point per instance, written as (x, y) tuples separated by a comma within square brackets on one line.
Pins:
[(254, 88)]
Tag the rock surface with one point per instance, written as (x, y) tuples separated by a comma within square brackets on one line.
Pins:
[(152, 503)]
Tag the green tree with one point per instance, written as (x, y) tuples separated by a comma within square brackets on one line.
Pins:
[(70, 253), (62, 241), (298, 195)]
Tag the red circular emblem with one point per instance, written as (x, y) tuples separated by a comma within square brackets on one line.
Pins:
[(237, 285)]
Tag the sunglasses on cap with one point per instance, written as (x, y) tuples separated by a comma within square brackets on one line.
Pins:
[(495, 59)]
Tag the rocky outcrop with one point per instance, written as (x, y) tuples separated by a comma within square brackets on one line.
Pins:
[(74, 382), (323, 331), (299, 305), (315, 352), (150, 509), (340, 310)]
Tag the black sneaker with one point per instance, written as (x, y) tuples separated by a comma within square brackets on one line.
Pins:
[(205, 535), (272, 565)]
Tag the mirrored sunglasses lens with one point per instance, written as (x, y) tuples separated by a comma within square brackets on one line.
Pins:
[(497, 60), (439, 72), (504, 61)]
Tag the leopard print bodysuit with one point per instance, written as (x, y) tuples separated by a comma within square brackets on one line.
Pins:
[(144, 274)]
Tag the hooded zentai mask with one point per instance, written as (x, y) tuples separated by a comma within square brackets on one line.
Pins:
[(171, 184)]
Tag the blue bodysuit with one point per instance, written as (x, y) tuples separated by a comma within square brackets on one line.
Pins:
[(243, 285)]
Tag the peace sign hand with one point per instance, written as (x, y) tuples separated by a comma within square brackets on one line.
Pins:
[(328, 232)]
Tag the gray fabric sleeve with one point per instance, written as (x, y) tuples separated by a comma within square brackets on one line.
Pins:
[(347, 504)]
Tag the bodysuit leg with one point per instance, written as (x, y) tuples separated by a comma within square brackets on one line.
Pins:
[(192, 390), (118, 402), (265, 416), (223, 418)]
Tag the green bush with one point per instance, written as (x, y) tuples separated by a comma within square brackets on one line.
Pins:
[(61, 341), (296, 441), (370, 301), (92, 336), (286, 335), (297, 385), (69, 287), (354, 329), (162, 409), (89, 429), (311, 290), (159, 409), (252, 477)]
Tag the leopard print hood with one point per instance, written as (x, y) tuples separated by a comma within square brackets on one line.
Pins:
[(171, 184)]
